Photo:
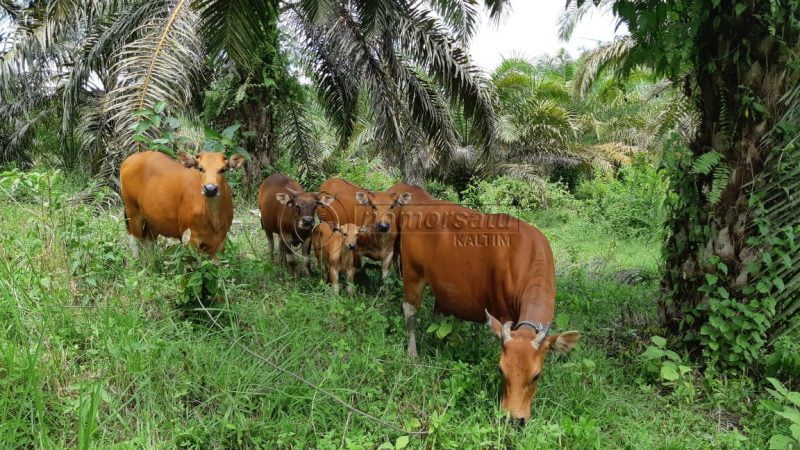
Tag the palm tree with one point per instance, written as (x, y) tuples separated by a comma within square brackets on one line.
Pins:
[(401, 55)]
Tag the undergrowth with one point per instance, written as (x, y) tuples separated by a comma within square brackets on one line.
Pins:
[(98, 349)]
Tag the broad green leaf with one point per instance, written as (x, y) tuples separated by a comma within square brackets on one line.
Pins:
[(401, 442), (444, 329), (652, 353), (794, 397), (780, 442), (791, 414), (659, 341), (228, 133), (160, 106), (432, 327), (778, 386), (669, 371)]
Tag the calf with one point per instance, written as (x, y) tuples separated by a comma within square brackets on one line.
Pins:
[(288, 211), (334, 246), (376, 211), (188, 200)]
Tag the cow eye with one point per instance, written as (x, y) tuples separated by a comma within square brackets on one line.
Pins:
[(536, 378), (201, 169), (222, 170)]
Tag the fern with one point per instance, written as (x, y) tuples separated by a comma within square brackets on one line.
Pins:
[(722, 175), (706, 162)]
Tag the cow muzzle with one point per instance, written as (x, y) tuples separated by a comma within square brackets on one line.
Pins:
[(210, 190), (306, 222), (383, 227), (351, 246)]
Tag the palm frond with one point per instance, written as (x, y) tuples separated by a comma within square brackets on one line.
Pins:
[(613, 54), (163, 64)]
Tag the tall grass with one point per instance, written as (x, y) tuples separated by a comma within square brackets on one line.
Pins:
[(94, 352)]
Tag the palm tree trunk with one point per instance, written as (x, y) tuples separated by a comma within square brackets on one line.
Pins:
[(709, 297), (262, 147)]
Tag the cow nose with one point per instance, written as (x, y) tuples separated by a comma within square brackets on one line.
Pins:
[(351, 246), (210, 189), (308, 220), (383, 226)]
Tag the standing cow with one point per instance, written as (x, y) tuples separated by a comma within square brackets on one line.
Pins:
[(485, 267), (334, 246), (188, 200), (375, 211), (288, 211)]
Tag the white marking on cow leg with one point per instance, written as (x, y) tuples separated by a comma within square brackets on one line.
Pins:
[(334, 275), (350, 287), (134, 243), (186, 236), (410, 313), (386, 265)]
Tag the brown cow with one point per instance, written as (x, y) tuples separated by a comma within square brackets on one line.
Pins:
[(485, 266), (376, 211), (334, 246), (189, 200), (288, 211)]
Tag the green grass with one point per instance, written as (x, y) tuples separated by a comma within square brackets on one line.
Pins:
[(96, 353)]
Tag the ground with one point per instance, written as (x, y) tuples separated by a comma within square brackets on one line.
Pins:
[(98, 349)]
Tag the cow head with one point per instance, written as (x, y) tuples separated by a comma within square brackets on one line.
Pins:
[(212, 167), (303, 205), (383, 206), (522, 359), (350, 233)]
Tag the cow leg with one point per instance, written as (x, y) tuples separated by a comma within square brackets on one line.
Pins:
[(271, 240), (283, 250), (386, 264), (333, 273), (349, 274), (136, 232), (306, 265), (411, 303)]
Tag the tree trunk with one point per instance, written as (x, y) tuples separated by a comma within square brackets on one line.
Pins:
[(262, 147), (708, 295)]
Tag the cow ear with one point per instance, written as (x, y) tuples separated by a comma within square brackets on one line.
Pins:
[(494, 324), (362, 198), (283, 197), (235, 161), (187, 160), (563, 342), (326, 200), (404, 198)]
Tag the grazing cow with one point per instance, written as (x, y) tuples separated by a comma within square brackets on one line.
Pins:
[(376, 211), (288, 211), (485, 266), (334, 246), (188, 200)]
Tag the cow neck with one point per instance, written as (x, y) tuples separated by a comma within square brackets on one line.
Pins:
[(212, 207), (532, 313)]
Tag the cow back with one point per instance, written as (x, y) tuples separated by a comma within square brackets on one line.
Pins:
[(475, 261), (345, 208)]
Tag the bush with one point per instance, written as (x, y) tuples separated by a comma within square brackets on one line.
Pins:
[(504, 194), (366, 174), (442, 191), (632, 203)]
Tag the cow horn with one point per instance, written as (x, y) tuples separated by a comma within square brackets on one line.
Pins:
[(537, 342), (293, 192), (506, 333)]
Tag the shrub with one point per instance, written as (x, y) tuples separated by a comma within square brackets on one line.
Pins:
[(632, 203), (504, 194), (442, 191)]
